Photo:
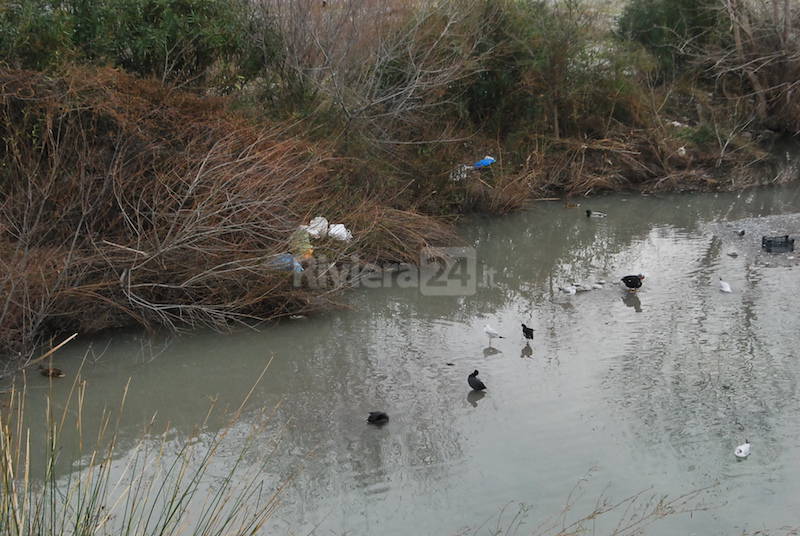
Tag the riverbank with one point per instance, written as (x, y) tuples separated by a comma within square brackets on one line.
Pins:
[(159, 192)]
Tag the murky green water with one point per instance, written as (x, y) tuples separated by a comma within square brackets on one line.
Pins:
[(647, 391)]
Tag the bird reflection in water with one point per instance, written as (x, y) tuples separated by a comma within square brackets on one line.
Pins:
[(527, 351), (490, 351), (474, 396), (632, 300)]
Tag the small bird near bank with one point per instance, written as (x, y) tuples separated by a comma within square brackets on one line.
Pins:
[(595, 214), (743, 450), (492, 333), (51, 372), (724, 286), (569, 289), (475, 382), (633, 282), (378, 418), (527, 332)]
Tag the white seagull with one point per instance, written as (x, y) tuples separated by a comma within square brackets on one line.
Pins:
[(491, 332), (743, 450), (569, 289), (724, 286)]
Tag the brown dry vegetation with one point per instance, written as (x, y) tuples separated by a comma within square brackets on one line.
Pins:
[(141, 204)]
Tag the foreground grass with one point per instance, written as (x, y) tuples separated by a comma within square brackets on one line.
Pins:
[(162, 488)]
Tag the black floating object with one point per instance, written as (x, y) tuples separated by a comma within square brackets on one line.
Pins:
[(377, 417), (51, 372), (527, 332), (777, 244), (475, 382), (633, 282), (450, 364), (740, 232)]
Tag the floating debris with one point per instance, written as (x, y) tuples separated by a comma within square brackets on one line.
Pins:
[(777, 244), (743, 450), (340, 232), (485, 162)]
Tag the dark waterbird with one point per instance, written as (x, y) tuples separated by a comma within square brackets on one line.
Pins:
[(377, 417), (527, 332), (475, 382), (595, 214), (633, 282)]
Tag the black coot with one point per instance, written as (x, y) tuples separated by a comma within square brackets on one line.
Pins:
[(527, 332), (633, 282), (475, 382), (377, 417)]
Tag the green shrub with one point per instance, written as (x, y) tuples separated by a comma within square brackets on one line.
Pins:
[(550, 71), (171, 39), (670, 29), (700, 135), (34, 33)]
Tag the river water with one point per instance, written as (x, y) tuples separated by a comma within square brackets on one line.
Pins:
[(616, 394)]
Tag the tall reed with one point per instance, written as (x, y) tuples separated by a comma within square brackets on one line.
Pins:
[(159, 487)]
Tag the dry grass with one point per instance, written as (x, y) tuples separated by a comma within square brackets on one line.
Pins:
[(158, 488), (127, 202)]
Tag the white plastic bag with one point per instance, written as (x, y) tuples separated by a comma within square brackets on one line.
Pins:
[(340, 232), (318, 228)]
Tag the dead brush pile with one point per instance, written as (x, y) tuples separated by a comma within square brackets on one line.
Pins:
[(124, 202), (645, 159)]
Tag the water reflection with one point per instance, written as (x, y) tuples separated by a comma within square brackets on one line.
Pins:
[(473, 397), (490, 351), (631, 299), (642, 397)]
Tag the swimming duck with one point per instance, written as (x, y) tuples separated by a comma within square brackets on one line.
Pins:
[(595, 214), (724, 286), (633, 282), (743, 450), (377, 417), (475, 382), (569, 289), (740, 232), (491, 332), (567, 204), (51, 372), (527, 332)]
